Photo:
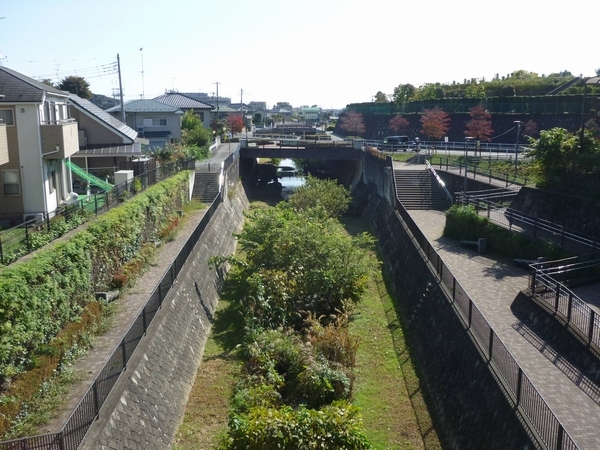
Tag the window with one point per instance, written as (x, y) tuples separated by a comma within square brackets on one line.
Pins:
[(6, 115), (10, 181), (159, 122)]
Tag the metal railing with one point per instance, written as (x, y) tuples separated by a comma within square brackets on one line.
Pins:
[(86, 412), (441, 183), (521, 393), (19, 241), (548, 284)]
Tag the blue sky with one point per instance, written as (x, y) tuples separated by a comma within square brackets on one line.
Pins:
[(327, 52)]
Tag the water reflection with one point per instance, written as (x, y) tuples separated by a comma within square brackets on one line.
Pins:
[(289, 177)]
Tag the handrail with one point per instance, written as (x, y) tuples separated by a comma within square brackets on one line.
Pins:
[(440, 181), (523, 394)]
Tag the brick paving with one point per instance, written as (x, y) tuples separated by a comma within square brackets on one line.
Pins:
[(493, 285)]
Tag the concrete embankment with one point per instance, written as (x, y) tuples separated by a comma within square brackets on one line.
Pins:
[(146, 405)]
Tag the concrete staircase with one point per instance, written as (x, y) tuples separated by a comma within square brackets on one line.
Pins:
[(418, 189), (206, 186)]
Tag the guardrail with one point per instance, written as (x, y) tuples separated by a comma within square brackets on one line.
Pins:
[(519, 391), (17, 241), (440, 181), (86, 412), (546, 286)]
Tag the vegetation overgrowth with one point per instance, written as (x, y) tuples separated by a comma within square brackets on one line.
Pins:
[(52, 293), (464, 223), (300, 279)]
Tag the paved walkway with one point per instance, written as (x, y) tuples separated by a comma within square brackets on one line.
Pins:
[(128, 308), (493, 286)]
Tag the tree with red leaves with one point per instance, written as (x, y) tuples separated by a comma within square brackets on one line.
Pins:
[(353, 123), (235, 122), (435, 123), (480, 125), (398, 124)]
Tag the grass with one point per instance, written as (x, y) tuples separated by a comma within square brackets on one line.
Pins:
[(387, 388)]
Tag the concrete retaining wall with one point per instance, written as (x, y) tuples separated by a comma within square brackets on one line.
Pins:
[(148, 402), (468, 406)]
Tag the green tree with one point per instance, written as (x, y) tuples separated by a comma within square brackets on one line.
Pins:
[(189, 121), (552, 151), (76, 85), (403, 93), (435, 123), (430, 91), (475, 90), (380, 97), (326, 198)]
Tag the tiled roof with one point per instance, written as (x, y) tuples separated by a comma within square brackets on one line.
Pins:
[(19, 88), (182, 101), (110, 121), (141, 106)]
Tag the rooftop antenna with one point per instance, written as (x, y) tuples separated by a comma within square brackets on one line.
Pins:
[(142, 53)]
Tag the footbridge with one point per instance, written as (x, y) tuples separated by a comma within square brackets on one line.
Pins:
[(302, 149)]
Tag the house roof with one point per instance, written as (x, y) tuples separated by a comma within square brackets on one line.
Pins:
[(224, 109), (118, 150), (145, 106), (19, 88), (182, 101), (102, 116)]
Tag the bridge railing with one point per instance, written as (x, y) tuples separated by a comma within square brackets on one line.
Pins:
[(520, 391)]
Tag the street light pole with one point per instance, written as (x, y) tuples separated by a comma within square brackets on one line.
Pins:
[(518, 123), (467, 140)]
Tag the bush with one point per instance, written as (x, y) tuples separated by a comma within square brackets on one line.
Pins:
[(334, 427)]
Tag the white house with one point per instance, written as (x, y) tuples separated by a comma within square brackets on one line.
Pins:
[(40, 136)]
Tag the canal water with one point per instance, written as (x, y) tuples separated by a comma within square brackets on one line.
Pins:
[(289, 177)]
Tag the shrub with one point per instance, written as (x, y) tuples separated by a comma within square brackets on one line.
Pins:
[(333, 427)]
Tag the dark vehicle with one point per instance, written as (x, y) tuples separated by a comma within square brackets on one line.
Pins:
[(395, 143)]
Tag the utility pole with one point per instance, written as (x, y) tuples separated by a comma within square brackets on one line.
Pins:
[(242, 113), (121, 90), (142, 53), (217, 83)]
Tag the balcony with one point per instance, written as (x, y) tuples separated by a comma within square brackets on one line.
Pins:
[(3, 144), (60, 139)]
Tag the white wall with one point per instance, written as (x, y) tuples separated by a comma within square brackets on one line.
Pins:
[(33, 177)]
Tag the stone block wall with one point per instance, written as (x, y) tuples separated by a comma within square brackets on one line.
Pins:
[(147, 404), (467, 405)]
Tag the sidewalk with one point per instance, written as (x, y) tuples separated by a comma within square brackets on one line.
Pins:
[(493, 285), (129, 305)]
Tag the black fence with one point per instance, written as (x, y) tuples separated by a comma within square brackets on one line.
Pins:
[(85, 413), (549, 284), (20, 239), (519, 390)]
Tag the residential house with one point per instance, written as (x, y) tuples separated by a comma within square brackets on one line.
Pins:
[(310, 114), (40, 136), (158, 122), (105, 143), (185, 103)]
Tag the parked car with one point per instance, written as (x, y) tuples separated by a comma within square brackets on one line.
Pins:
[(395, 143)]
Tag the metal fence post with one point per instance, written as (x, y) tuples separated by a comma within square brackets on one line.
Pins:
[(145, 324), (570, 306), (470, 311), (519, 383), (491, 344), (96, 399), (559, 437), (557, 296), (591, 325), (124, 353)]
